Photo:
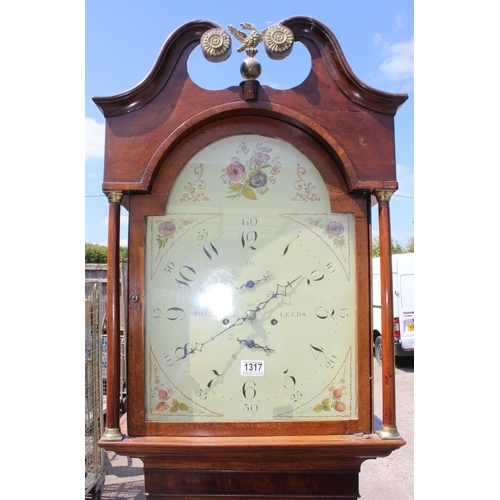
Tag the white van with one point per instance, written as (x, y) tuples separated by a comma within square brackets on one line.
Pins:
[(402, 282)]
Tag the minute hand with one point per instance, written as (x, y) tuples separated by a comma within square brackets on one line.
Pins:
[(251, 314)]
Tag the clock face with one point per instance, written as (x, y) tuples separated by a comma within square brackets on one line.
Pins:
[(250, 291)]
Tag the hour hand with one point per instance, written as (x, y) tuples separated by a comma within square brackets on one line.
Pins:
[(252, 283), (252, 345)]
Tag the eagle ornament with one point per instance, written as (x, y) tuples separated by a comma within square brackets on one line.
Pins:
[(248, 42), (278, 40)]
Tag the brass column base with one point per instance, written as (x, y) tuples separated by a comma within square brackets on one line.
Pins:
[(388, 433), (112, 435)]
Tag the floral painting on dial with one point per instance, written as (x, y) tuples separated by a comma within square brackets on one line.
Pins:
[(336, 399), (252, 172), (334, 229), (166, 399)]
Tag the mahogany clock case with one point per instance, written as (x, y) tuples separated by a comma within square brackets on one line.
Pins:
[(144, 205), (346, 129)]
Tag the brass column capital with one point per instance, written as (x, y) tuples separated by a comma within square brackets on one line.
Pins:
[(384, 194), (114, 196)]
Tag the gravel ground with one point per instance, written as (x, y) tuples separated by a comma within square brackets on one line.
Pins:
[(389, 478)]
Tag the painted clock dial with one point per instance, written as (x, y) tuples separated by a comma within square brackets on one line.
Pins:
[(250, 291)]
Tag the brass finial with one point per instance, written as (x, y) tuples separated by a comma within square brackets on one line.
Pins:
[(278, 42)]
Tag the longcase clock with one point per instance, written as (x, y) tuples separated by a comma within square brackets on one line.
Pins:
[(249, 302)]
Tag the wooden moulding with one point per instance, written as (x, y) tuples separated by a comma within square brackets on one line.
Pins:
[(254, 452), (246, 468), (144, 123)]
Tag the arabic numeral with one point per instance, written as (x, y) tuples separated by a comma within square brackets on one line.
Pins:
[(330, 361), (315, 276), (168, 269), (170, 360), (249, 221), (296, 235), (343, 313), (175, 313), (318, 275), (248, 238), (248, 389), (290, 383), (211, 252), (202, 235), (172, 313), (202, 393), (289, 380), (323, 313), (316, 351), (330, 267), (188, 275), (215, 378), (251, 408)]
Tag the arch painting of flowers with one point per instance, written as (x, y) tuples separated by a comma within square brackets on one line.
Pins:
[(252, 172)]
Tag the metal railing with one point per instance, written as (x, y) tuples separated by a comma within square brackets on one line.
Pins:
[(94, 413)]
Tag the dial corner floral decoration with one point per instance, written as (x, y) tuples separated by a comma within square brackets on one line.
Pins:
[(251, 176), (334, 400), (334, 229), (166, 229)]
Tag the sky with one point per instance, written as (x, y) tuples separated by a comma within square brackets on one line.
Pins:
[(123, 39)]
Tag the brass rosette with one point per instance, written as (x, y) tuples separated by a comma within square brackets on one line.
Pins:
[(216, 45), (278, 41)]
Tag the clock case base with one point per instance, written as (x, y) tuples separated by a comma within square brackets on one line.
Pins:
[(298, 467)]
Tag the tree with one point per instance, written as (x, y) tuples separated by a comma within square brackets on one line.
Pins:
[(395, 247), (98, 254), (410, 246)]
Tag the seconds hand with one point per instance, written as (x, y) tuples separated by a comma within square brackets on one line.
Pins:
[(250, 315)]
